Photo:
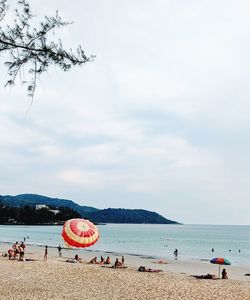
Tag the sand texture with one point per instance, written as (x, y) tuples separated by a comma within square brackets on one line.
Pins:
[(56, 279)]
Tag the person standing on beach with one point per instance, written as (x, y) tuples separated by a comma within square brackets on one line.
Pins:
[(23, 245), (45, 258), (21, 251), (123, 260), (175, 253), (59, 251), (15, 249)]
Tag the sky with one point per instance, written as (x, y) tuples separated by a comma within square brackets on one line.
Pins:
[(160, 120)]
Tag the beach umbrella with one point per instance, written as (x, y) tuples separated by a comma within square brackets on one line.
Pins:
[(79, 233), (220, 261)]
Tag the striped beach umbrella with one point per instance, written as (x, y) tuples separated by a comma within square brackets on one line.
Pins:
[(79, 233), (220, 261)]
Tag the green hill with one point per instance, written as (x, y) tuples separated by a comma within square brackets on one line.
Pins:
[(33, 199), (135, 216), (110, 215)]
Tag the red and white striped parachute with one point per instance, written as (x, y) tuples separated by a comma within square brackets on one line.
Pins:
[(79, 233)]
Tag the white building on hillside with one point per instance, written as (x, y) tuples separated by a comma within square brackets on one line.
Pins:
[(40, 206)]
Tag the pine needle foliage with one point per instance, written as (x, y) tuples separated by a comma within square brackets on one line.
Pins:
[(30, 49)]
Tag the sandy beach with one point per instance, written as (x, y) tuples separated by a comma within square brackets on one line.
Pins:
[(57, 279)]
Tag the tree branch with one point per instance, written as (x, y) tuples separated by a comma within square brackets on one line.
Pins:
[(33, 48)]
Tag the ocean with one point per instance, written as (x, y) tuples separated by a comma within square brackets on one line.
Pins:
[(194, 242)]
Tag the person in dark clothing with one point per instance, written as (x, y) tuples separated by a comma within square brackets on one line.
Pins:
[(59, 251), (45, 258), (224, 274)]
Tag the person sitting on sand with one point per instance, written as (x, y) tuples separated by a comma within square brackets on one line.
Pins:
[(117, 264), (74, 260), (94, 261), (77, 258), (102, 260), (107, 261), (144, 269), (224, 274)]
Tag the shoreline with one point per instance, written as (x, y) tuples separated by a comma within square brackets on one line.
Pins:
[(181, 259), (188, 267), (195, 243)]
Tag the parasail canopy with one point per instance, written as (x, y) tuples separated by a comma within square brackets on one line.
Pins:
[(79, 233)]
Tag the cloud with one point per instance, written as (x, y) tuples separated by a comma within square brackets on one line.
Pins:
[(88, 180), (160, 119)]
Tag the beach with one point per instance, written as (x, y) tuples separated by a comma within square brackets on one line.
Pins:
[(57, 279)]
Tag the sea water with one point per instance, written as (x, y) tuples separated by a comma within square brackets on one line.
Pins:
[(194, 242)]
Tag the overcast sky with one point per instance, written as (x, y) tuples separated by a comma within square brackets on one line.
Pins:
[(160, 120)]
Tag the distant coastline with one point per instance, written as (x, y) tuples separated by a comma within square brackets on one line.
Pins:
[(108, 215)]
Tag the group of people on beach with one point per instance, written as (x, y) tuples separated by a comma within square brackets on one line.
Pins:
[(94, 260), (212, 276), (118, 264), (102, 261), (107, 261), (16, 250)]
